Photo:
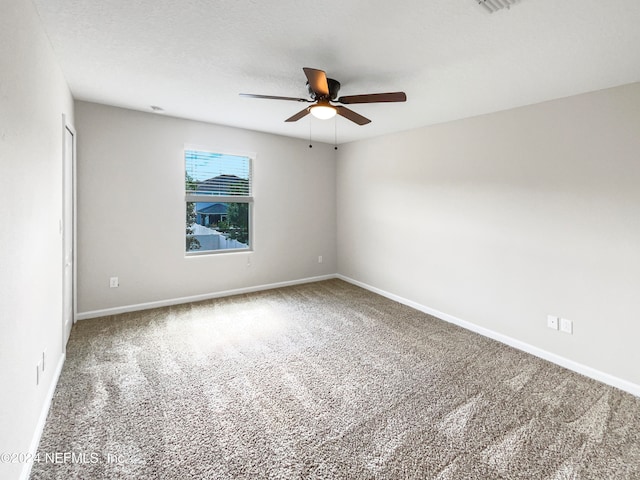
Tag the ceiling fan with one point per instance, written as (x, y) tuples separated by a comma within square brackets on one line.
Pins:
[(323, 91)]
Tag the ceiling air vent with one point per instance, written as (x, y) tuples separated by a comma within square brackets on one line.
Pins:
[(495, 5)]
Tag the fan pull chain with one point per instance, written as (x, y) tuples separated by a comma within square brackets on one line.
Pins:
[(335, 133), (310, 146)]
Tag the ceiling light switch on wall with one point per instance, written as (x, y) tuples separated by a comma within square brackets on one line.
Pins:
[(552, 322)]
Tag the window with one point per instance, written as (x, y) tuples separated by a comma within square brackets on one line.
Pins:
[(218, 202)]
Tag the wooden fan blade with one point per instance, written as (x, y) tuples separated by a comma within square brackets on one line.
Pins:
[(374, 98), (271, 97), (298, 116), (317, 81), (351, 115)]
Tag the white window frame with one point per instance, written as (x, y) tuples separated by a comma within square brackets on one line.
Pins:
[(203, 198)]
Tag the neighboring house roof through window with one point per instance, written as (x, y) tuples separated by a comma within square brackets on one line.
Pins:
[(212, 208), (224, 185)]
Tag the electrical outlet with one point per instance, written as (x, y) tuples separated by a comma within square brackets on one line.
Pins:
[(552, 322), (566, 326), (113, 282), (320, 259)]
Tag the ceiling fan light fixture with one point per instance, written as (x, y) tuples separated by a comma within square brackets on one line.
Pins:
[(324, 90), (323, 112)]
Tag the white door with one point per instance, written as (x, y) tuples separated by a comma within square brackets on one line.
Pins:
[(67, 233)]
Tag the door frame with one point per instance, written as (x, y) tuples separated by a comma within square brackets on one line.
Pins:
[(69, 189)]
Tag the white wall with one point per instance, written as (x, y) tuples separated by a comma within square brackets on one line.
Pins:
[(131, 210), (502, 219), (33, 97)]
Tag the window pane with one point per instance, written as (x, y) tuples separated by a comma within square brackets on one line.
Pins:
[(217, 226), (210, 173)]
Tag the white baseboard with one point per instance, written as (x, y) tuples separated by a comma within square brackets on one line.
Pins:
[(42, 420), (625, 385), (197, 298)]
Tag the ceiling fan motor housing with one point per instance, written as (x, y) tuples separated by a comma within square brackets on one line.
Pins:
[(334, 88)]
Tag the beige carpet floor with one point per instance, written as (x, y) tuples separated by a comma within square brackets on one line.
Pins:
[(323, 381)]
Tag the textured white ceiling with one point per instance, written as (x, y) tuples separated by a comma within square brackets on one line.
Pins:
[(451, 57)]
